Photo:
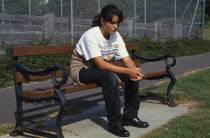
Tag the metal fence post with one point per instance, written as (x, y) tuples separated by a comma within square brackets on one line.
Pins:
[(145, 11), (203, 14), (72, 23), (130, 25), (193, 19), (175, 31), (157, 29), (29, 6), (61, 11), (134, 19), (99, 6), (29, 9)]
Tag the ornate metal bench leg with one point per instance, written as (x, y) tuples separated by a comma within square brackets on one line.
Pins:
[(58, 126), (63, 103), (19, 119), (172, 83)]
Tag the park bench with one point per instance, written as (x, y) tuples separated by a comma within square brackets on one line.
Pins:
[(59, 76)]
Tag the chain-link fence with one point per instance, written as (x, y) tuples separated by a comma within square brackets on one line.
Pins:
[(43, 22), (63, 21)]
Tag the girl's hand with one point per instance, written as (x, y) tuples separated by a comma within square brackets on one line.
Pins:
[(135, 74)]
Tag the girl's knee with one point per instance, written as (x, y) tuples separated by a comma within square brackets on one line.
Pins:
[(109, 76)]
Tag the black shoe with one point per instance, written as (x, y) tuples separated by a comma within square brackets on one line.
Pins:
[(136, 122), (118, 130)]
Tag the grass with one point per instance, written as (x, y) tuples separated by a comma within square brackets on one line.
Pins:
[(192, 90), (6, 128)]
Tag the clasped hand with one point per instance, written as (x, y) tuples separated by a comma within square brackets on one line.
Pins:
[(136, 74)]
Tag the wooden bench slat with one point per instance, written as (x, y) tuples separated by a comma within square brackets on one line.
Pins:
[(76, 88), (19, 77), (121, 64), (49, 91), (150, 75), (41, 50), (70, 87), (52, 50), (131, 46)]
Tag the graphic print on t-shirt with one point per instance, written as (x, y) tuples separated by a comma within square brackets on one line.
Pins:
[(108, 53)]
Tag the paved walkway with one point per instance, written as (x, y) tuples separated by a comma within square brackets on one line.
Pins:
[(91, 123)]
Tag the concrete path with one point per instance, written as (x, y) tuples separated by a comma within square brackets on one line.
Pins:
[(92, 122)]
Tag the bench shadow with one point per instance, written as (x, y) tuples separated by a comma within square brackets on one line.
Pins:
[(153, 98), (79, 105)]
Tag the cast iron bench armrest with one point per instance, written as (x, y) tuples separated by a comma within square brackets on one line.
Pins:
[(51, 70), (136, 55)]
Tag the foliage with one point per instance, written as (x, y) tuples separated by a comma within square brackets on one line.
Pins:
[(206, 19), (207, 8), (177, 47), (207, 32)]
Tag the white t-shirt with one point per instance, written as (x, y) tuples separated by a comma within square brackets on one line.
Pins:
[(93, 44)]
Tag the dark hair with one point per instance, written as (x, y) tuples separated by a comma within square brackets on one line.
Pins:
[(107, 13)]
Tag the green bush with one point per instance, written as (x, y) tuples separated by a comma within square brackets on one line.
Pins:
[(206, 19), (177, 47)]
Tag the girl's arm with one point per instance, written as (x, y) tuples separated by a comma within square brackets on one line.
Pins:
[(131, 69)]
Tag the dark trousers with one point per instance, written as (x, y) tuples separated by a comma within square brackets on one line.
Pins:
[(109, 83)]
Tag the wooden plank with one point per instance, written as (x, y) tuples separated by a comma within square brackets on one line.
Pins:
[(145, 25), (132, 46), (83, 21), (69, 88), (41, 50), (20, 28), (23, 18), (150, 75), (49, 91), (52, 50), (19, 77), (61, 20), (76, 88), (121, 64)]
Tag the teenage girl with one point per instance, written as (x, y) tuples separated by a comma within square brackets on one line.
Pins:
[(90, 63)]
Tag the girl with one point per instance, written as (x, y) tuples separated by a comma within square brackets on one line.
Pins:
[(90, 63)]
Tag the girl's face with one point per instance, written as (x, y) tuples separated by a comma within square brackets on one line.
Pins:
[(108, 28)]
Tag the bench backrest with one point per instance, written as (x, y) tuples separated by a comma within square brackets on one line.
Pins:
[(19, 51)]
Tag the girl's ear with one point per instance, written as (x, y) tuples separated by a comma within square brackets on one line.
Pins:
[(102, 21)]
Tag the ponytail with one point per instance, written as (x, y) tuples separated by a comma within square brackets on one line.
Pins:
[(96, 21)]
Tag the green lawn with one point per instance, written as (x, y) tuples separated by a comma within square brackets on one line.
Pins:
[(192, 90), (6, 128)]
